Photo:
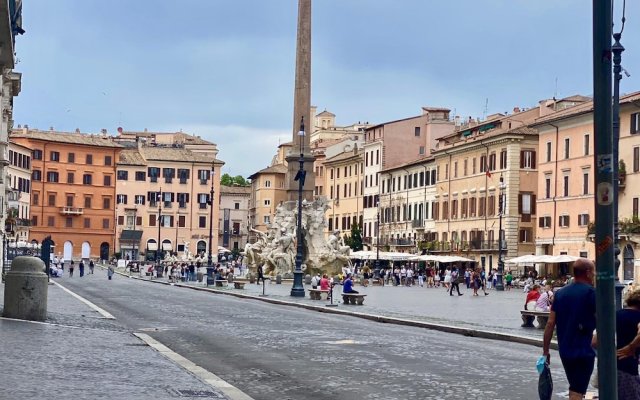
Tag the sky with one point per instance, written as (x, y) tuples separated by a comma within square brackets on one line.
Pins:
[(224, 69)]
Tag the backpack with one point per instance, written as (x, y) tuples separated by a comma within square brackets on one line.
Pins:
[(454, 276)]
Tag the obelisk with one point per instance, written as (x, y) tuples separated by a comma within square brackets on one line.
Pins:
[(302, 108)]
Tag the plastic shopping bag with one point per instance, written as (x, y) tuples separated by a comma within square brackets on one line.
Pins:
[(545, 382)]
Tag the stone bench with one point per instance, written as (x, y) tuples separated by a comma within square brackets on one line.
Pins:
[(353, 298), (318, 294), (238, 285), (528, 316), (221, 282)]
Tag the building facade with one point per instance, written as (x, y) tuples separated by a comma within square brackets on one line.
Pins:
[(73, 191), (267, 192), (233, 221), (18, 194)]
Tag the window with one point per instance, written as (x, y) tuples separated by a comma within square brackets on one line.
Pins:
[(267, 202), (492, 162), (267, 183), (87, 179), (107, 160), (105, 223), (141, 176), (491, 207), (528, 159), (473, 166), (152, 220), (587, 144), (36, 175), (445, 210), (69, 200), (154, 173), (203, 200), (52, 200), (547, 186), (416, 131), (87, 202), (70, 177), (139, 199), (464, 210), (182, 221), (168, 174), (472, 207), (548, 151), (52, 176), (635, 123), (585, 182), (87, 223), (71, 158), (202, 222), (266, 219), (121, 199), (122, 175), (89, 159), (482, 206), (583, 219), (526, 235), (106, 203), (37, 154), (454, 209), (35, 199), (567, 143), (635, 208), (564, 221), (483, 163), (526, 206), (455, 170), (54, 156), (636, 159), (121, 220), (183, 175), (465, 166), (51, 221), (446, 172), (503, 159), (107, 180), (544, 222), (236, 206), (565, 185), (183, 199)]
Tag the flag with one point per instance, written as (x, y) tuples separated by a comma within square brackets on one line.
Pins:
[(486, 171)]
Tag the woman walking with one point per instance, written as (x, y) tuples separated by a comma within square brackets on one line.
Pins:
[(447, 278)]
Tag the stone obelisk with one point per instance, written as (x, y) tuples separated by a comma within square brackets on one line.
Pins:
[(302, 108)]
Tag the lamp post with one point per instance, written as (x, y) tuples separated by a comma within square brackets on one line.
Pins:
[(499, 283), (297, 290), (135, 215), (210, 279), (376, 270), (617, 50), (158, 266)]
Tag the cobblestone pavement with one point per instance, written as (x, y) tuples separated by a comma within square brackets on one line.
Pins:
[(85, 357), (274, 352)]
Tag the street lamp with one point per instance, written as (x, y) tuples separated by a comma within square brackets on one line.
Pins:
[(158, 266), (297, 290), (617, 50), (501, 205), (210, 279)]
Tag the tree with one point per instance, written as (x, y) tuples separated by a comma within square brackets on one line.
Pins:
[(228, 180), (355, 239)]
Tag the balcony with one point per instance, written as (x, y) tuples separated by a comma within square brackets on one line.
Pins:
[(23, 222), (417, 224), (457, 246), (71, 211), (397, 242)]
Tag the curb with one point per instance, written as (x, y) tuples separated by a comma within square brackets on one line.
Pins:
[(468, 332)]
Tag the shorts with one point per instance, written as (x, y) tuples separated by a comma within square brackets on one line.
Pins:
[(578, 371)]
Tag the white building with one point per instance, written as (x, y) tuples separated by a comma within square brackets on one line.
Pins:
[(18, 186)]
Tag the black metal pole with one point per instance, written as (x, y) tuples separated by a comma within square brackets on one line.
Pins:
[(499, 275), (158, 265), (297, 290), (617, 50), (377, 266), (210, 279), (135, 215), (604, 199)]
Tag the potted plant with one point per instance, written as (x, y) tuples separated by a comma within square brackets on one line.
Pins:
[(622, 173)]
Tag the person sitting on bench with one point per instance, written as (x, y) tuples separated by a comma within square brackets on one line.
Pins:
[(347, 285)]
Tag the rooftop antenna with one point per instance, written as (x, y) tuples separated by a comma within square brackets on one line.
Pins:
[(486, 109), (555, 95)]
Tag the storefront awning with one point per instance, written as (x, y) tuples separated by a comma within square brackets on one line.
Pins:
[(167, 247), (129, 235), (153, 246)]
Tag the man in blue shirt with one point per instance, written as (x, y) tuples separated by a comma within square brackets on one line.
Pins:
[(573, 314), (347, 285)]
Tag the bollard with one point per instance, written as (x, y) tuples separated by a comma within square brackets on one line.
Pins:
[(307, 279), (26, 289), (278, 279), (252, 278)]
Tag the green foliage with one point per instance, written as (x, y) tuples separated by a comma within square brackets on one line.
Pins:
[(355, 239), (228, 180), (630, 225)]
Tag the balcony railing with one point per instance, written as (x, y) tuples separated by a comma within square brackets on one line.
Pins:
[(71, 211), (397, 242), (23, 222), (417, 224), (472, 245)]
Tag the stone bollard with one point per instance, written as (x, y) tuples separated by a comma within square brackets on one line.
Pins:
[(26, 289), (307, 279), (278, 279), (252, 278)]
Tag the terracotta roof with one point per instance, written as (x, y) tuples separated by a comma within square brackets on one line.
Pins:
[(235, 189), (179, 137), (585, 108), (274, 169), (131, 157), (67, 137), (422, 160)]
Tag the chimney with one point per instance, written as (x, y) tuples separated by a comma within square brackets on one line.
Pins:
[(77, 130), (103, 131), (457, 120), (516, 110), (51, 128)]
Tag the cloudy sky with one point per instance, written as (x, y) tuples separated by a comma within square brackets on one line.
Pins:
[(224, 69)]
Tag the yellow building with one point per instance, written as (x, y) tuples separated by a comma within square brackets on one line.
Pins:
[(344, 183), (267, 192)]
